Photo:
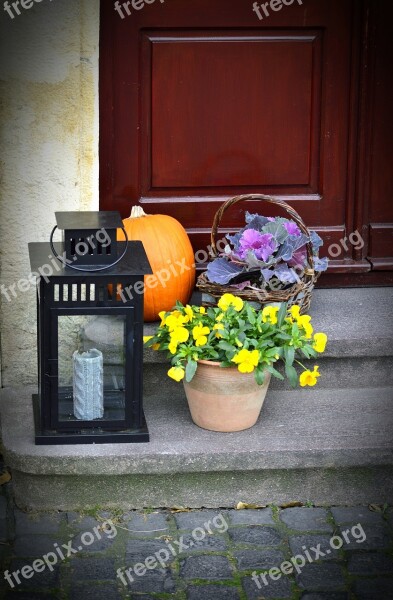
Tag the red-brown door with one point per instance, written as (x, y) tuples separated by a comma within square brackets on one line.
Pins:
[(203, 100)]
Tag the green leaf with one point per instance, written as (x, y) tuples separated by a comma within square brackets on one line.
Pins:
[(282, 313), (259, 376), (273, 371), (306, 352), (283, 336), (291, 374), (190, 370), (251, 315), (211, 314), (225, 346), (289, 355)]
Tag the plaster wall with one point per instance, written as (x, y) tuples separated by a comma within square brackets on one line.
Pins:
[(48, 151)]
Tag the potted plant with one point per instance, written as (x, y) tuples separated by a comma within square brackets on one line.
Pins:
[(271, 259), (225, 356)]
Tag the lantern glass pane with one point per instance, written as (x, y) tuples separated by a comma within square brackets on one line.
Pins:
[(91, 368)]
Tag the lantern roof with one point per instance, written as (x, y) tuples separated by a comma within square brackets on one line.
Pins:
[(81, 220), (134, 263)]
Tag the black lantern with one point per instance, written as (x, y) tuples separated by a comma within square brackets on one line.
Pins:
[(90, 332)]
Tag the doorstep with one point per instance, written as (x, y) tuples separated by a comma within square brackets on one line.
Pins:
[(326, 445), (330, 444)]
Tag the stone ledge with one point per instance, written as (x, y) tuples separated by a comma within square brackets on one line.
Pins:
[(357, 321), (299, 429)]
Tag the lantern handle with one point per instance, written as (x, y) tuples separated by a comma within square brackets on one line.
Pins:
[(87, 270)]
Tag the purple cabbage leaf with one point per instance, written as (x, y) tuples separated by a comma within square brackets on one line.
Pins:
[(222, 271)]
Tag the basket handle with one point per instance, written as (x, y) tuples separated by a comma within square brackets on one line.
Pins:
[(291, 211)]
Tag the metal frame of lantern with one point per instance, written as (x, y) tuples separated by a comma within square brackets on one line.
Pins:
[(93, 279)]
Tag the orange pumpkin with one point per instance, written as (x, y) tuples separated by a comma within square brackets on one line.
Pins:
[(171, 257)]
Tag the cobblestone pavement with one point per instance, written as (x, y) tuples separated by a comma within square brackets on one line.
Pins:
[(222, 554)]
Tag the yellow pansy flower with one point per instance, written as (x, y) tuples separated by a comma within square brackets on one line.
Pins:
[(162, 317), (269, 314), (246, 360), (175, 320), (180, 334), (199, 334), (176, 373), (146, 338), (172, 346), (304, 323), (295, 311), (220, 317), (202, 310), (309, 377), (189, 312), (320, 340), (219, 328), (228, 300)]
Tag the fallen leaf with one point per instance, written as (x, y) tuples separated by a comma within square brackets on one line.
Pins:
[(375, 508), (291, 504), (245, 506), (179, 509), (5, 477)]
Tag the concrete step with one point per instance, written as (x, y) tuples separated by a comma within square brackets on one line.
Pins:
[(324, 445)]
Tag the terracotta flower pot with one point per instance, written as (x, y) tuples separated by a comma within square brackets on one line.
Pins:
[(223, 399)]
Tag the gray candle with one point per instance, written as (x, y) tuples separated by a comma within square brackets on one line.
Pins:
[(88, 385)]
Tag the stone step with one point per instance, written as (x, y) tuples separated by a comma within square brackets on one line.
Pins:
[(324, 445)]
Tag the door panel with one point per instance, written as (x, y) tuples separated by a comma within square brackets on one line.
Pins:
[(201, 100), (203, 84)]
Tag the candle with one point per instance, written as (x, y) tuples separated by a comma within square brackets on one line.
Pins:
[(88, 384)]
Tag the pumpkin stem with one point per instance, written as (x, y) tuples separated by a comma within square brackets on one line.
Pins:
[(137, 212)]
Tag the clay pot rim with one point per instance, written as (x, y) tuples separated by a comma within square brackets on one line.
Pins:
[(214, 363)]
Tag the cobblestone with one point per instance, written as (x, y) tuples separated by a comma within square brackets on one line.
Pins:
[(313, 543), (252, 517), (90, 569), (325, 596), (370, 563), (374, 589), (206, 567), (26, 524), (101, 592), (274, 589), (306, 519), (191, 520), (256, 535), (258, 559), (355, 514), (212, 592), (241, 559), (325, 577)]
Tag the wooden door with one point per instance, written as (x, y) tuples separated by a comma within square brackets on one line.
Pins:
[(203, 100)]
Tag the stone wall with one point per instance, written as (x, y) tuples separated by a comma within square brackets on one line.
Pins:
[(48, 150)]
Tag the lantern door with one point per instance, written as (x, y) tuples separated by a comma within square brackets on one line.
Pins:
[(93, 379)]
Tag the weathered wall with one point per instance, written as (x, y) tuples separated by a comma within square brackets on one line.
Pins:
[(48, 150)]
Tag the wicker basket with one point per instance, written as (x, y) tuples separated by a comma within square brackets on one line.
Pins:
[(297, 293)]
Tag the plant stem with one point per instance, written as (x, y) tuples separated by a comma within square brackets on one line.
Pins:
[(299, 363)]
